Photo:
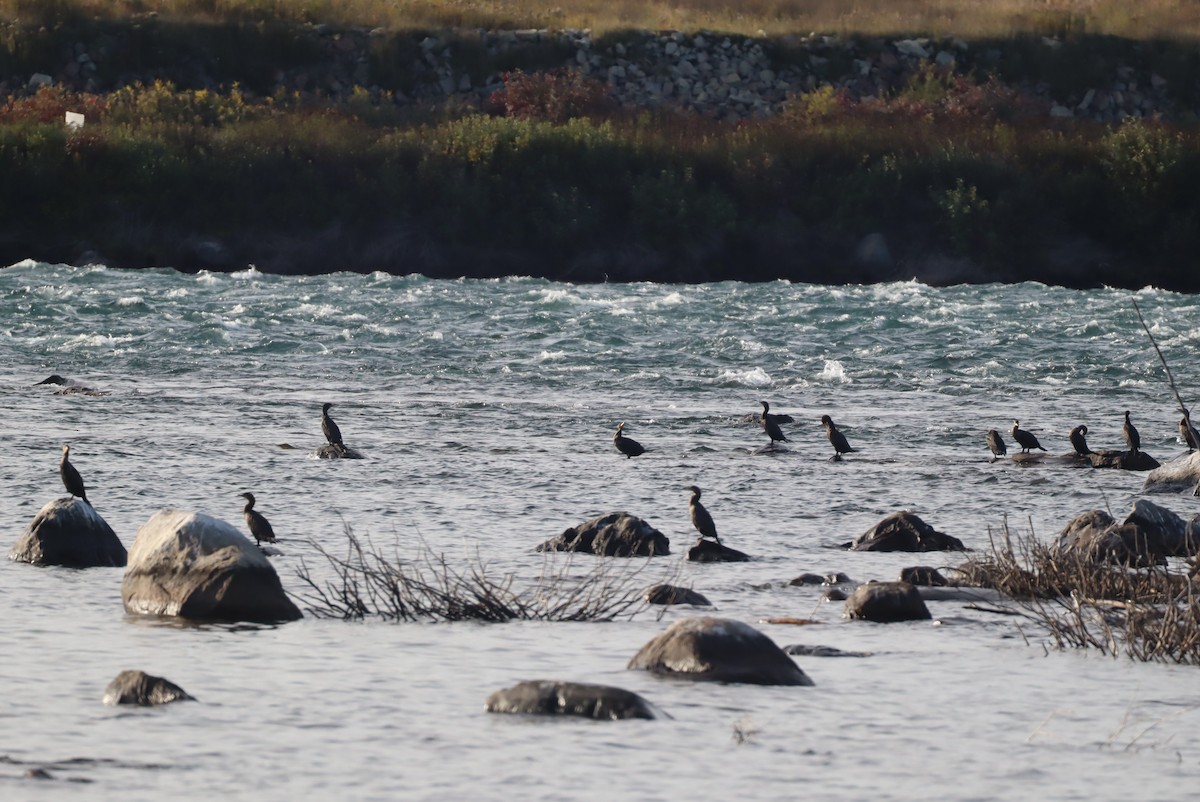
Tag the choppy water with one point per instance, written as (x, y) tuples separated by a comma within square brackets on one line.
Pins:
[(486, 409)]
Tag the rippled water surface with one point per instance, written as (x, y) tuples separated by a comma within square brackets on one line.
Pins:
[(486, 410)]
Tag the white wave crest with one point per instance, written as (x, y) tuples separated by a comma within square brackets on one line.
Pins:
[(130, 300), (551, 356), (834, 371), (755, 377)]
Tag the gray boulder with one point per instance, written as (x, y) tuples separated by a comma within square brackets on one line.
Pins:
[(670, 594), (1175, 476), (549, 698), (617, 534), (710, 551), (718, 650), (1123, 460), (1095, 537), (68, 532), (140, 688), (194, 566), (886, 602), (924, 575), (1161, 523), (329, 451), (903, 531), (803, 650)]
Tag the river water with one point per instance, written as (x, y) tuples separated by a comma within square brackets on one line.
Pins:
[(486, 410)]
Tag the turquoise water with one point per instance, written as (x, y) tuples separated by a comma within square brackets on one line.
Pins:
[(486, 410)]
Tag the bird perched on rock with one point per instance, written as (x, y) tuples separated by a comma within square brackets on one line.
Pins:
[(770, 424), (700, 517), (836, 438), (1078, 441), (1188, 433), (330, 429), (70, 476), (627, 446), (1026, 440), (996, 444), (1132, 438), (259, 526)]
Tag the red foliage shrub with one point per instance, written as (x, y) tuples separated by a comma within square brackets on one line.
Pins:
[(554, 96), (49, 104)]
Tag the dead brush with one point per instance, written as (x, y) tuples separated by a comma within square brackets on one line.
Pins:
[(368, 583)]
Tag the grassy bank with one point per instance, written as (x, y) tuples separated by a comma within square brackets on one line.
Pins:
[(959, 180)]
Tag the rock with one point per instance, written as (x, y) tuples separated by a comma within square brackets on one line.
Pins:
[(617, 534), (1123, 460), (194, 566), (808, 579), (886, 602), (834, 594), (1060, 111), (911, 47), (1094, 536), (1159, 523), (671, 594), (549, 698), (40, 79), (923, 575), (330, 451), (872, 251), (68, 532), (139, 688), (1175, 476), (820, 651), (719, 650), (903, 531), (710, 551)]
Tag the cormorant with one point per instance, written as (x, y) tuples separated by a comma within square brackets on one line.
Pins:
[(770, 424), (330, 429), (1188, 432), (626, 445), (1132, 438), (1078, 442), (1025, 439), (700, 517), (70, 476), (259, 526), (996, 444), (836, 438)]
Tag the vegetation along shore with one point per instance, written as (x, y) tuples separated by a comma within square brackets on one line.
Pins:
[(588, 142)]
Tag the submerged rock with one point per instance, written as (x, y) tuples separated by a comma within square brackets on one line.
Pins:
[(923, 575), (710, 551), (719, 650), (329, 451), (69, 532), (550, 698), (617, 534), (886, 602), (820, 651), (194, 566), (903, 531), (670, 594), (140, 688)]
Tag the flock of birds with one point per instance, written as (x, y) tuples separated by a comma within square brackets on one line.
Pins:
[(1133, 440), (260, 528)]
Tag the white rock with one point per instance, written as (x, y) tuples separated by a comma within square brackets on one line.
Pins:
[(40, 79), (911, 47), (1061, 111)]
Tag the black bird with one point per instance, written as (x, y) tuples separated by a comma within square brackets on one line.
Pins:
[(770, 424), (627, 446), (700, 517), (1132, 438), (1025, 439), (1188, 432), (330, 429), (258, 525), (837, 439), (996, 444), (1078, 442), (70, 476)]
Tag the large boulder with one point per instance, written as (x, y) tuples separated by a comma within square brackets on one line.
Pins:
[(719, 650), (1123, 460), (1148, 535), (710, 551), (549, 698), (617, 534), (194, 566), (140, 688), (1175, 476), (903, 531), (886, 602), (68, 532)]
